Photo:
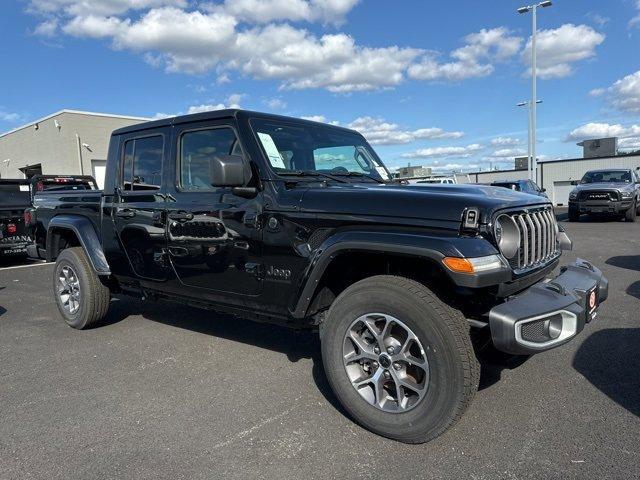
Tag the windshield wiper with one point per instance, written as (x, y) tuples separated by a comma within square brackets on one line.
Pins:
[(310, 173), (359, 174)]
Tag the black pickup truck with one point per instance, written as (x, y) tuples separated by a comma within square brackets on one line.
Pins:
[(50, 185), (608, 192), (295, 222), (15, 197)]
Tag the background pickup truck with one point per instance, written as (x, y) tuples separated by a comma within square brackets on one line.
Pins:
[(296, 222), (608, 192), (15, 197)]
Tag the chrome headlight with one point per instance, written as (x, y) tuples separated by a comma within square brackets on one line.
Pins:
[(573, 195), (626, 194), (507, 236)]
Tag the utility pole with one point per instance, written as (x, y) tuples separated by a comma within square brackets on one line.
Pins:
[(534, 99)]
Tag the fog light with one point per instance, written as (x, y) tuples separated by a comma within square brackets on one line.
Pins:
[(553, 327)]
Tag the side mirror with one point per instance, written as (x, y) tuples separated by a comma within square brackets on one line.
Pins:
[(574, 182), (227, 171)]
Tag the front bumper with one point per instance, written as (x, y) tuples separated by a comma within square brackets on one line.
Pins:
[(549, 313), (611, 206)]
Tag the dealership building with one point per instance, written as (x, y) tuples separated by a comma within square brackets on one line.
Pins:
[(68, 142)]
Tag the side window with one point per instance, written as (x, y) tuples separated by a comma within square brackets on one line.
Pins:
[(197, 148), (142, 163)]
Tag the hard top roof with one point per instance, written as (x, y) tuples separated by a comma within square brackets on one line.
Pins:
[(215, 115)]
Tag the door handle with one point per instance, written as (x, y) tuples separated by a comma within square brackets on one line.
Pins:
[(251, 220), (125, 213), (181, 216)]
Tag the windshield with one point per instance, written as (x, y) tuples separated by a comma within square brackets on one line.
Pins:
[(303, 147), (14, 194), (611, 176)]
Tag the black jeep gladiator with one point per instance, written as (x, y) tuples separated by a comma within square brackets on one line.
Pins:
[(15, 197), (610, 192), (296, 222)]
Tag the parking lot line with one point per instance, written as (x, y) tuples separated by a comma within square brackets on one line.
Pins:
[(35, 264)]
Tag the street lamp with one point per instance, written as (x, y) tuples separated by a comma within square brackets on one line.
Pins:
[(527, 103), (533, 9)]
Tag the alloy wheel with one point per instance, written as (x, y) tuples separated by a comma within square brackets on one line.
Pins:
[(385, 362)]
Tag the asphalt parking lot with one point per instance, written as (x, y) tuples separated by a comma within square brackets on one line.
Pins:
[(165, 391)]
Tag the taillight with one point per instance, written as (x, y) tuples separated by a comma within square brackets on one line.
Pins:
[(39, 186), (11, 228), (28, 217)]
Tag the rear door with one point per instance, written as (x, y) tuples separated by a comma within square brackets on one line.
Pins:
[(138, 213), (214, 240)]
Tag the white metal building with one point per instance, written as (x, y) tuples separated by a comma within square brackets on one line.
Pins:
[(556, 175), (68, 142)]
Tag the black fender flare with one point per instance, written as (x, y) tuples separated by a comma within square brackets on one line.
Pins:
[(87, 235), (411, 244)]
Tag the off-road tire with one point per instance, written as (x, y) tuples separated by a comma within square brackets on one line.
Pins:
[(444, 335), (94, 295), (630, 215), (574, 215)]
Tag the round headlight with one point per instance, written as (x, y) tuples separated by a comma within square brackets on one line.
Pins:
[(507, 236)]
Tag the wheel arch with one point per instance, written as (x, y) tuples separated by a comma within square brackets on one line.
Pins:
[(75, 230), (395, 251)]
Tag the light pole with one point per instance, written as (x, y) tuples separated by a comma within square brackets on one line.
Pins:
[(527, 103), (533, 9)]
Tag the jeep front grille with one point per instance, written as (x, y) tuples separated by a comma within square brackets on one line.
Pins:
[(538, 242)]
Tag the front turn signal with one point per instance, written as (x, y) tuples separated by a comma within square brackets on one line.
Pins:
[(473, 265), (460, 265)]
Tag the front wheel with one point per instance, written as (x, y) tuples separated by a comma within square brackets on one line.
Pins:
[(81, 297), (574, 215), (630, 215), (398, 358)]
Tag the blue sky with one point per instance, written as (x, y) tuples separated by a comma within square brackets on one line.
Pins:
[(431, 83)]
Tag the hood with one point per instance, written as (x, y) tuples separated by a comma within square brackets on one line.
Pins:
[(438, 202), (604, 186)]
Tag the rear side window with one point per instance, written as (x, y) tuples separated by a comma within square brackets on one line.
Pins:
[(142, 163), (196, 150)]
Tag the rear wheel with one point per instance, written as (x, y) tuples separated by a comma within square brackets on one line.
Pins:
[(630, 215), (81, 297), (398, 358)]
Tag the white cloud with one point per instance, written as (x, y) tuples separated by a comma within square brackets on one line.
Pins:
[(598, 19), (628, 136), (624, 94), (232, 101), (635, 20), (98, 7), (315, 118), (452, 167), (506, 141), (9, 116), (379, 132), (253, 38), (507, 153), (48, 28), (267, 11), (275, 103), (475, 59), (558, 49), (196, 41), (444, 152)]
